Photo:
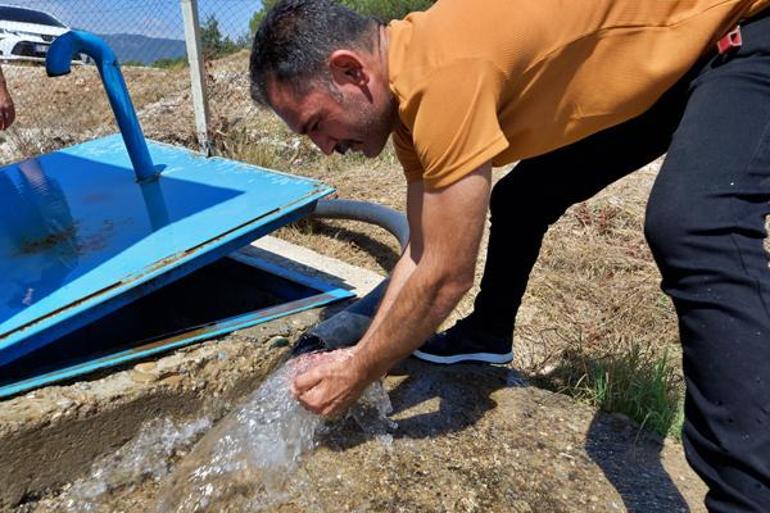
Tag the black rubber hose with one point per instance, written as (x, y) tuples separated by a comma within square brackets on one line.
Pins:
[(346, 328)]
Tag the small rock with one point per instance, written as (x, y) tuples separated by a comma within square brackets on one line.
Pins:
[(144, 373), (521, 507), (172, 380), (141, 377), (64, 403), (278, 341), (146, 367)]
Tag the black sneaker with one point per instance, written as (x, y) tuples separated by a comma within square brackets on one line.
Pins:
[(460, 344)]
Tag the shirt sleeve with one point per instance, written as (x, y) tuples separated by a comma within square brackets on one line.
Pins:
[(455, 127), (406, 153)]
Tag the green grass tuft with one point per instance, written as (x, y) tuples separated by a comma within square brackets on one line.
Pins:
[(638, 384)]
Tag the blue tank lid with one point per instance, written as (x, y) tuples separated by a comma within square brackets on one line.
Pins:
[(81, 237)]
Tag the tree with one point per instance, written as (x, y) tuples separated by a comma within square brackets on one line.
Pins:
[(259, 15), (214, 44), (384, 10)]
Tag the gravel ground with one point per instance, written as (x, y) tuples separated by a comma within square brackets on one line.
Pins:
[(470, 439)]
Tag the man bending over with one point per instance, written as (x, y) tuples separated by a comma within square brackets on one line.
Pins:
[(581, 93)]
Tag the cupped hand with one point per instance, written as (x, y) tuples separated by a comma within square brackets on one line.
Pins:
[(332, 382)]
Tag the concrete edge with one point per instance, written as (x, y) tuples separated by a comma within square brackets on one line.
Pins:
[(308, 262)]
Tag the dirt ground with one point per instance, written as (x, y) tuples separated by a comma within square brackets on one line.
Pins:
[(469, 439), (595, 288)]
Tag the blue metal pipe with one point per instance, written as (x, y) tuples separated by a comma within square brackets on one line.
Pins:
[(58, 63)]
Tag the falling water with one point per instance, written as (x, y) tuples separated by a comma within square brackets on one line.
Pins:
[(147, 456), (244, 463), (247, 462)]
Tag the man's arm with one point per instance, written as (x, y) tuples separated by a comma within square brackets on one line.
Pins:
[(411, 255), (451, 222), (7, 110)]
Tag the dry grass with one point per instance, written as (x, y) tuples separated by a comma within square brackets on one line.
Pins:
[(595, 285), (594, 323), (593, 295), (56, 112)]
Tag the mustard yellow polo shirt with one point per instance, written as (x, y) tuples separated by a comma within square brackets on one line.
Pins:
[(504, 80)]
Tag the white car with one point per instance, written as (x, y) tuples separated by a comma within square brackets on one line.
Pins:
[(26, 34)]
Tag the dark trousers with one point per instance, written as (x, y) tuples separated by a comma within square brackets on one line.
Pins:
[(705, 225)]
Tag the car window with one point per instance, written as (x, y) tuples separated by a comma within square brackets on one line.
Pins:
[(28, 16)]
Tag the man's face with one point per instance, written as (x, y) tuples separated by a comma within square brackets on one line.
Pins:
[(337, 118)]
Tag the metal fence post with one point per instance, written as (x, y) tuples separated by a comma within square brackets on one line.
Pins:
[(197, 77)]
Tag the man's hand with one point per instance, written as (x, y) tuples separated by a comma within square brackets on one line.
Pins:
[(7, 110), (333, 384), (431, 277)]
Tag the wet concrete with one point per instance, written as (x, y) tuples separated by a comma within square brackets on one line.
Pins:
[(50, 436)]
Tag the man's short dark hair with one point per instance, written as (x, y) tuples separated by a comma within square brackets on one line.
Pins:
[(295, 39)]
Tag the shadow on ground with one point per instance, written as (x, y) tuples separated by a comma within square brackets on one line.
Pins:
[(487, 422), (431, 401), (631, 462)]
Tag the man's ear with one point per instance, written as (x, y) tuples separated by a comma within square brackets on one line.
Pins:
[(347, 67)]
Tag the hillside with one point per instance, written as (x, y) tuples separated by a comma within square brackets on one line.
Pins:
[(138, 48)]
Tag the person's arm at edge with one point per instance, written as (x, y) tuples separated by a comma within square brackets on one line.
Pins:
[(452, 221), (7, 110)]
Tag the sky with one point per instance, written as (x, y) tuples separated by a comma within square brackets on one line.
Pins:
[(154, 18)]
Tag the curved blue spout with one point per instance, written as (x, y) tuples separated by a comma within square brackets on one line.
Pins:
[(58, 63)]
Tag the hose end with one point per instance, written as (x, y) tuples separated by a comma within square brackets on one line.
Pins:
[(308, 343)]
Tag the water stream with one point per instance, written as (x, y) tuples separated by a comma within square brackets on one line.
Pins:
[(247, 462), (148, 456)]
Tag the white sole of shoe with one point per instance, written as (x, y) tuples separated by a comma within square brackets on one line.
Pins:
[(469, 357)]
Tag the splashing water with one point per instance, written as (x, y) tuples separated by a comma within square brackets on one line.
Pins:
[(245, 462), (145, 457)]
